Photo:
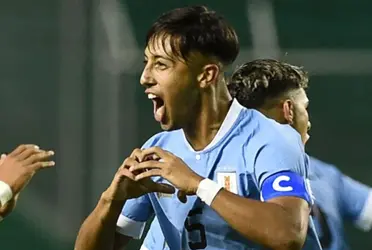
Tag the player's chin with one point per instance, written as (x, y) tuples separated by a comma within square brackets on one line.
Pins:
[(167, 125)]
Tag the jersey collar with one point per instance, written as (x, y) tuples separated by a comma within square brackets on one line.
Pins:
[(230, 119)]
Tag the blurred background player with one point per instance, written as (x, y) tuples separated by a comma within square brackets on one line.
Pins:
[(277, 89), (222, 144), (16, 170)]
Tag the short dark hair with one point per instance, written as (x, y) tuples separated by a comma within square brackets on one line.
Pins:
[(197, 29), (257, 81)]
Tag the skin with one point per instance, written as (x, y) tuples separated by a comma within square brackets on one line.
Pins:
[(198, 81), (290, 108), (18, 168)]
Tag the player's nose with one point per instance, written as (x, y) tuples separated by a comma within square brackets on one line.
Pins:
[(147, 79)]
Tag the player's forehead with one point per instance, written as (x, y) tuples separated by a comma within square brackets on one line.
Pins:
[(160, 46)]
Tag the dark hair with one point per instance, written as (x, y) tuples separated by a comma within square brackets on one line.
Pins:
[(198, 29), (257, 81)]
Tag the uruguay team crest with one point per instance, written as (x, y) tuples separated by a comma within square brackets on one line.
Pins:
[(228, 181)]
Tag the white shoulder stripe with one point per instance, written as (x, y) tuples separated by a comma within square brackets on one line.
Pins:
[(364, 222), (129, 227)]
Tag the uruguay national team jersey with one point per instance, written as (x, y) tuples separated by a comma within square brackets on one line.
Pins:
[(338, 198), (249, 156)]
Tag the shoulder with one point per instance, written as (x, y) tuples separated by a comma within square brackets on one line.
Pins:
[(279, 136)]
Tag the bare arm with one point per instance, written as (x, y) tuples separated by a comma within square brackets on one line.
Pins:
[(278, 224), (98, 231)]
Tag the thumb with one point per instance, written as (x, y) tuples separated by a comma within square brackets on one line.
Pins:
[(164, 188)]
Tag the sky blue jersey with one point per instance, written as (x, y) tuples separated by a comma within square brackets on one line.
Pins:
[(249, 156), (338, 198)]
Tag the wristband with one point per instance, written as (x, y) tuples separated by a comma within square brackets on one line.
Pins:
[(207, 190), (6, 193)]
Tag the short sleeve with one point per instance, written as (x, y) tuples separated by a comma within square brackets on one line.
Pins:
[(281, 170), (133, 218), (356, 202)]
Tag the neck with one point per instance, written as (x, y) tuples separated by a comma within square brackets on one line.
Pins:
[(214, 105), (273, 114)]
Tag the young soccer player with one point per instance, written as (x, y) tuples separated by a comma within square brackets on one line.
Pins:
[(277, 89), (226, 158)]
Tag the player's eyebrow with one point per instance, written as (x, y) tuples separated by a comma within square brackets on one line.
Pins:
[(159, 57), (156, 57)]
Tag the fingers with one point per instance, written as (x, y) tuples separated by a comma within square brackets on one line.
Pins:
[(123, 173), (148, 173), (137, 155), (128, 162), (146, 165), (156, 151), (41, 156), (28, 152), (164, 188), (41, 165), (22, 148)]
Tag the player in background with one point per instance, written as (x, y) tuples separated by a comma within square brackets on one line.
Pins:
[(16, 170), (225, 157), (277, 89)]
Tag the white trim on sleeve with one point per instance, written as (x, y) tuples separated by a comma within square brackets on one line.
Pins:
[(129, 227), (364, 222)]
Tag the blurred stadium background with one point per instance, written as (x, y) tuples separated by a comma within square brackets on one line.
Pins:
[(69, 73)]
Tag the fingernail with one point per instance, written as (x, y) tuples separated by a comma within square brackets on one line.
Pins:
[(51, 152), (131, 169), (36, 147)]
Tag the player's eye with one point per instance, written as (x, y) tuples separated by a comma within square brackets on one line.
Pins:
[(160, 65)]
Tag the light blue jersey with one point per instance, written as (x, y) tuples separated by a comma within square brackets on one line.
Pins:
[(249, 156), (338, 198)]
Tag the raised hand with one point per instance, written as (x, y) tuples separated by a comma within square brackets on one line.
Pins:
[(18, 167), (124, 185), (170, 167)]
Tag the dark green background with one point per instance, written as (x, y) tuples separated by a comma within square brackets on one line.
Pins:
[(30, 57)]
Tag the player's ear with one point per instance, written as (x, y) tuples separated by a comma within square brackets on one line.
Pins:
[(209, 75), (288, 111)]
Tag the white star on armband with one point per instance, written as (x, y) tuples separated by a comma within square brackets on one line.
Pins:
[(207, 191), (6, 193)]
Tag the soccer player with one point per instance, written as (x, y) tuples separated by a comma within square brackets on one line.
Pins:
[(226, 158), (277, 89), (16, 170)]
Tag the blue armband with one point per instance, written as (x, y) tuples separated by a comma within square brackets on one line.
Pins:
[(286, 183)]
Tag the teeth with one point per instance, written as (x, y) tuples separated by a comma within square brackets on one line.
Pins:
[(151, 96)]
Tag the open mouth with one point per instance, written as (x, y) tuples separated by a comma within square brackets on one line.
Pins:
[(159, 108)]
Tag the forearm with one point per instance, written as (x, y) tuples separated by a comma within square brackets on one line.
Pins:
[(98, 230), (265, 223)]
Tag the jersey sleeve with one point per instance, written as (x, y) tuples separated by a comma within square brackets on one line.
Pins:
[(281, 170), (356, 202), (133, 217)]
